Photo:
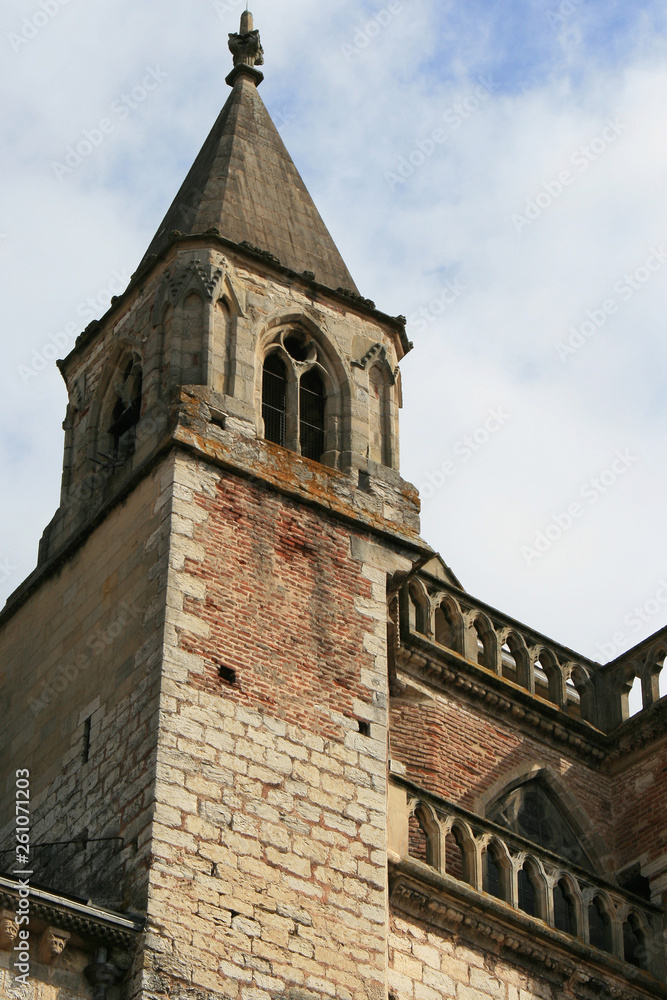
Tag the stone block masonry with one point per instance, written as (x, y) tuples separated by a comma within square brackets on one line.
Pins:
[(269, 840)]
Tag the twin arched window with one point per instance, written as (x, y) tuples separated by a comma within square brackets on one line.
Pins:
[(294, 397)]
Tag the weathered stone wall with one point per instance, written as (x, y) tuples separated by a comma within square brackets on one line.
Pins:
[(86, 645), (425, 964), (269, 840)]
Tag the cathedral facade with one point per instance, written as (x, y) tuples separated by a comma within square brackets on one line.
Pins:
[(258, 741)]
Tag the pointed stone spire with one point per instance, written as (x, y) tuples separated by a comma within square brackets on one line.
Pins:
[(244, 183)]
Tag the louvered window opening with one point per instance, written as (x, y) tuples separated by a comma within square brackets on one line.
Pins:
[(274, 400), (312, 410)]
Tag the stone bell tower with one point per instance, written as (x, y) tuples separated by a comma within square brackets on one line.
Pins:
[(196, 673)]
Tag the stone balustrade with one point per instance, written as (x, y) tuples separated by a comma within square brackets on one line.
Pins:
[(525, 877), (453, 619), (447, 617), (642, 666)]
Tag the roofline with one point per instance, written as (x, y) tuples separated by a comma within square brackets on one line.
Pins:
[(73, 908), (357, 302)]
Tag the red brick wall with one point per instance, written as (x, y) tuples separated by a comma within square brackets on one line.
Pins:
[(639, 798), (281, 588), (460, 754)]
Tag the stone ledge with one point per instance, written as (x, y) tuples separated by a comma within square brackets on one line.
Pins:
[(444, 902)]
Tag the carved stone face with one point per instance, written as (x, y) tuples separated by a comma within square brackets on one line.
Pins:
[(56, 944), (52, 944), (8, 931)]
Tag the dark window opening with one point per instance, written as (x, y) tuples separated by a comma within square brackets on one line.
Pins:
[(491, 877), (296, 348), (634, 949), (274, 399), (364, 727), (527, 894), (599, 927), (312, 406), (126, 413), (564, 913)]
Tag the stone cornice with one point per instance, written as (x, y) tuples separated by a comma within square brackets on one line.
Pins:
[(261, 462), (93, 923), (451, 673), (444, 902), (256, 255)]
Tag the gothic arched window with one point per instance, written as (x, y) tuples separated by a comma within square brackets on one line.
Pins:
[(312, 402), (530, 812), (274, 399), (296, 410)]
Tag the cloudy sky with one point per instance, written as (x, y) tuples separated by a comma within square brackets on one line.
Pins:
[(493, 170)]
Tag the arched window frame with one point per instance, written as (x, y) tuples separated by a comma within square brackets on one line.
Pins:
[(314, 359), (604, 907), (123, 385), (573, 898), (637, 926), (484, 642), (497, 851), (430, 827), (448, 625)]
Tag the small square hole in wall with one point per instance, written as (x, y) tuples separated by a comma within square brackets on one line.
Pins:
[(364, 727), (227, 675)]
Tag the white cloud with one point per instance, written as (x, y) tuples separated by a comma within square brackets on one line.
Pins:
[(347, 122)]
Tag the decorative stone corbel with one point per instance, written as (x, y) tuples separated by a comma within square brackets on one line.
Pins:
[(102, 974), (52, 943), (8, 929)]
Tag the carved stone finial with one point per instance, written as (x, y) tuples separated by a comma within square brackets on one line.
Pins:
[(8, 930), (246, 46), (52, 943)]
